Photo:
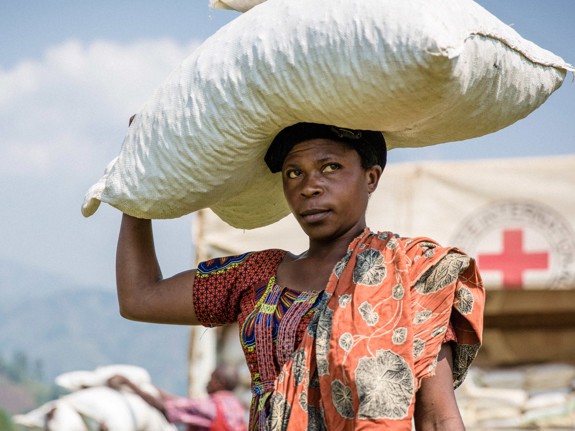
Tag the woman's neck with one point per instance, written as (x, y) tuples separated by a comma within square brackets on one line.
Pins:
[(332, 249)]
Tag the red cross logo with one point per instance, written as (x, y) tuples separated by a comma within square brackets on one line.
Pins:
[(513, 260)]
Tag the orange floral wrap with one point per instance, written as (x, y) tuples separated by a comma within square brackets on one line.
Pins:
[(387, 307)]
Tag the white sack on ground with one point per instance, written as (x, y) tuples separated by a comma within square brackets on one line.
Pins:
[(76, 380), (547, 400), (531, 406), (57, 414), (423, 72), (119, 410), (487, 397), (87, 409), (549, 376), (505, 378)]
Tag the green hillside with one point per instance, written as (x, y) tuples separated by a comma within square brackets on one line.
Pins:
[(61, 328)]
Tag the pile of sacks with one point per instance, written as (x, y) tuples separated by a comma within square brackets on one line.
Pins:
[(92, 405), (534, 397)]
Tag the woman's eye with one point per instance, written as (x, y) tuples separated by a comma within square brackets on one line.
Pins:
[(294, 173), (331, 167)]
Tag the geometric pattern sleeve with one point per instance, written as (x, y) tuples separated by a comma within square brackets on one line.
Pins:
[(221, 284)]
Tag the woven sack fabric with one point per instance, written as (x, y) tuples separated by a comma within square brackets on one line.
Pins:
[(421, 71), (238, 5)]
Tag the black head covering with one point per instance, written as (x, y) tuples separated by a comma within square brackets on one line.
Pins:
[(370, 145)]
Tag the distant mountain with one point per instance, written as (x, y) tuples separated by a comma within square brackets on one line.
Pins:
[(69, 327), (20, 283)]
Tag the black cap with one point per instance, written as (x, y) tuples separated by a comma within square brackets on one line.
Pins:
[(369, 144)]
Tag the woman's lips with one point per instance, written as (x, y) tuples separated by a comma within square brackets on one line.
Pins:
[(314, 215)]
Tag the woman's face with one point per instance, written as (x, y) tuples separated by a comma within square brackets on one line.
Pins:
[(327, 189)]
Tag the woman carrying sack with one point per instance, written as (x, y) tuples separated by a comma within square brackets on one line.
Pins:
[(364, 330)]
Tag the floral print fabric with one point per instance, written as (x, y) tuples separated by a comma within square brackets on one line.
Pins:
[(376, 335)]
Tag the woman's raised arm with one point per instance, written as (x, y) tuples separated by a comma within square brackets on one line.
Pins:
[(143, 294)]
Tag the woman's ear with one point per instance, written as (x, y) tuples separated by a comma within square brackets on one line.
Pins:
[(373, 175)]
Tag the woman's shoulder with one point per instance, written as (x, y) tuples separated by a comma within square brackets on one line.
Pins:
[(220, 264), (418, 241), (409, 242), (270, 253), (420, 248), (269, 257)]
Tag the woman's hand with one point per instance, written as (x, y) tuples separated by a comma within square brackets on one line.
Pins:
[(143, 294), (117, 381)]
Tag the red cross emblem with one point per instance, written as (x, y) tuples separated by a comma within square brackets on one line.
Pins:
[(513, 260)]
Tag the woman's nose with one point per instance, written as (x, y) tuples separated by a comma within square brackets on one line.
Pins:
[(311, 186)]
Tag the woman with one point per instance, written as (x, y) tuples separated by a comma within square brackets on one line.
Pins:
[(363, 330)]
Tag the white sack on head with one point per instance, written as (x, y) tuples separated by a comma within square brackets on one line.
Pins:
[(238, 5), (422, 71)]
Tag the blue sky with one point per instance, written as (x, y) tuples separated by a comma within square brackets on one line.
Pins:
[(73, 71)]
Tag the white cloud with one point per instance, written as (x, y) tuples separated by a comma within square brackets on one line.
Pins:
[(62, 119), (68, 110)]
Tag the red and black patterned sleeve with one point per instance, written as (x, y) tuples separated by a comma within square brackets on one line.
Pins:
[(221, 284)]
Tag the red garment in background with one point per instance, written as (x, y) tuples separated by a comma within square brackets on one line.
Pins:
[(221, 411)]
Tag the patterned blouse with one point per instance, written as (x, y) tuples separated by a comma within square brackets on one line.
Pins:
[(272, 319)]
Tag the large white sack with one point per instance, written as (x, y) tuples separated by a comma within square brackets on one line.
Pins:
[(84, 409), (422, 71), (239, 5), (551, 399), (549, 376), (77, 380), (509, 378), (119, 410), (53, 415)]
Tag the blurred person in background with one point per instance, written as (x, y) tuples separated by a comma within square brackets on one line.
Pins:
[(221, 410)]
